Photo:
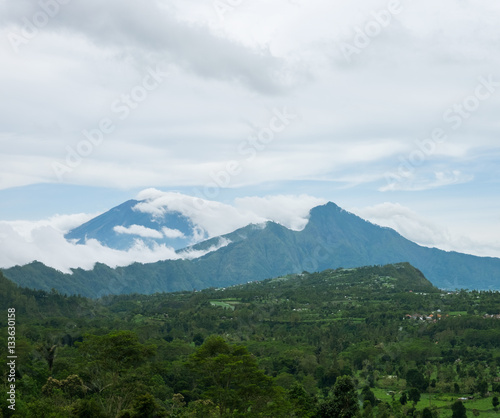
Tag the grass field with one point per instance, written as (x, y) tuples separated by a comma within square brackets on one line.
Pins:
[(443, 402), (225, 303)]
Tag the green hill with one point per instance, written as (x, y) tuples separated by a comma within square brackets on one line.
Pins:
[(282, 347)]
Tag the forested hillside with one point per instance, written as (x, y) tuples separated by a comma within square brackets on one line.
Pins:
[(375, 342)]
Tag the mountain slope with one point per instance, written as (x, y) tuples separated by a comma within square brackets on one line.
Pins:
[(123, 225), (333, 238)]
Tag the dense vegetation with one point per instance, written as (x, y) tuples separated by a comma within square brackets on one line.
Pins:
[(373, 342), (332, 238)]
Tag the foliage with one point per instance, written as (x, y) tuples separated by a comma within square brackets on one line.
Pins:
[(459, 410), (295, 346), (343, 402)]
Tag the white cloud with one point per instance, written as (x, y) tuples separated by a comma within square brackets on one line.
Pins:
[(290, 211), (22, 242), (214, 218), (172, 233), (418, 182), (60, 223), (149, 29), (190, 254), (138, 230), (47, 245), (217, 218), (364, 112)]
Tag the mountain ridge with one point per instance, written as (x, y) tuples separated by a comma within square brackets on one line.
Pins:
[(332, 238)]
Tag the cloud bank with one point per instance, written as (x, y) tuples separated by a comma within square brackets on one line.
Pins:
[(216, 218), (225, 77)]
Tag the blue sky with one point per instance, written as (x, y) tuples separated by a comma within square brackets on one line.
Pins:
[(388, 108)]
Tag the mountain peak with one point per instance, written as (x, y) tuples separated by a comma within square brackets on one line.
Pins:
[(122, 226), (327, 207)]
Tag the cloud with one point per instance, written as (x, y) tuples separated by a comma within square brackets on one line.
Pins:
[(418, 182), (172, 233), (190, 254), (364, 112), (290, 211), (214, 218), (60, 223), (152, 29), (22, 242), (217, 218), (47, 245), (138, 230)]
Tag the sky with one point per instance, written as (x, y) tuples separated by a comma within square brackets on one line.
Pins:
[(387, 108)]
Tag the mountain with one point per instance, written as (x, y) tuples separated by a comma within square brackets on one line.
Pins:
[(332, 238), (122, 226)]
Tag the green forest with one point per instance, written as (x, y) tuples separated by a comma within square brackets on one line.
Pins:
[(377, 341)]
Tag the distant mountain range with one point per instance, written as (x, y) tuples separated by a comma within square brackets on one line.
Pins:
[(122, 226), (332, 238)]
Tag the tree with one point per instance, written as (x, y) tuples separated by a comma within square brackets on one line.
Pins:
[(115, 351), (415, 379), (384, 410), (144, 406), (368, 395), (47, 350), (495, 402), (84, 408), (303, 403), (72, 386), (414, 395), (367, 409), (230, 377), (459, 410), (427, 413), (482, 387), (404, 399), (343, 402), (198, 339)]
